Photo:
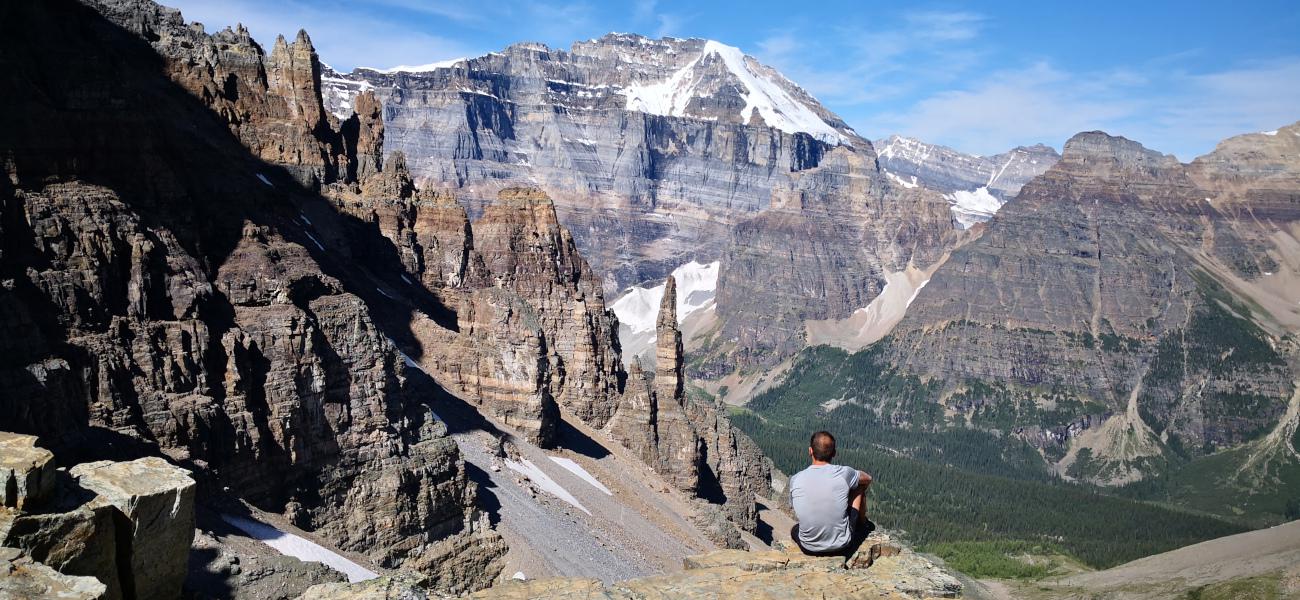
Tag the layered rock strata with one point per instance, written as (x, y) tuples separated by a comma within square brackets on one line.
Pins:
[(1121, 312), (165, 291), (658, 152), (689, 441)]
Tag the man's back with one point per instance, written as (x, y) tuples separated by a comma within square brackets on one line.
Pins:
[(820, 497)]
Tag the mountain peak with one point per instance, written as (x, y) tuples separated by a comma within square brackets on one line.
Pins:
[(1089, 146), (722, 76)]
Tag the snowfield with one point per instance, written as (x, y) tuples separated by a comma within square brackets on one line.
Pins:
[(638, 307), (544, 481), (289, 544), (762, 93), (975, 206), (582, 473), (434, 66), (903, 182)]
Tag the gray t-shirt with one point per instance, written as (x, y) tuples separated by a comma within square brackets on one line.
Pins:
[(820, 497)]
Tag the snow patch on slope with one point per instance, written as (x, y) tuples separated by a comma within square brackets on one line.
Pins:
[(442, 64), (903, 182), (299, 548), (875, 320), (638, 307), (544, 481), (774, 104), (974, 206), (575, 468)]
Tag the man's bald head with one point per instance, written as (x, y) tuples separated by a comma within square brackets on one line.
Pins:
[(822, 446)]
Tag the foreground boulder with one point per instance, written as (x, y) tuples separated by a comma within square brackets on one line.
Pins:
[(155, 511), (26, 472), (22, 577)]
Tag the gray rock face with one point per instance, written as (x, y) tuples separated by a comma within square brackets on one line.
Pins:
[(1116, 305), (26, 471), (657, 152), (22, 577), (157, 499), (645, 145), (946, 170), (820, 252)]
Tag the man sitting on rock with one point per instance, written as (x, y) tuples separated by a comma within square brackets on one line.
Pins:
[(830, 501)]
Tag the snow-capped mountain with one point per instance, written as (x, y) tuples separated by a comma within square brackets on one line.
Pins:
[(659, 144), (975, 186), (778, 102), (662, 152)]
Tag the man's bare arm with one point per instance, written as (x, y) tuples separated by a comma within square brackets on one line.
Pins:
[(864, 479)]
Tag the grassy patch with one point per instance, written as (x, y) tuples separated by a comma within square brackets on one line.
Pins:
[(1002, 559), (1264, 587)]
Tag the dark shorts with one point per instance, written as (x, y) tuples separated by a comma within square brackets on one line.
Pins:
[(859, 534)]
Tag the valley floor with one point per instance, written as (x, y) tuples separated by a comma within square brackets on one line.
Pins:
[(1258, 564)]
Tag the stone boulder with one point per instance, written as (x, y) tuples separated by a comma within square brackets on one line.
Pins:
[(154, 504), (26, 472), (75, 536), (22, 577)]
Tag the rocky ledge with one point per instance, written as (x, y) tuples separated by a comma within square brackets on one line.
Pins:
[(100, 530), (882, 567)]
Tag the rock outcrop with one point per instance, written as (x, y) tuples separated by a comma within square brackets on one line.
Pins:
[(26, 471), (880, 568), (127, 526), (22, 577), (689, 441), (157, 500), (167, 288)]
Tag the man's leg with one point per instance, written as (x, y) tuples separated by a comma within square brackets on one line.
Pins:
[(858, 502)]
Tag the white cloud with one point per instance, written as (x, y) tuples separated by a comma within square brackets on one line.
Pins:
[(1170, 111)]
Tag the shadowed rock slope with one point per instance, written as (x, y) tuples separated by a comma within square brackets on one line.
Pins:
[(199, 261)]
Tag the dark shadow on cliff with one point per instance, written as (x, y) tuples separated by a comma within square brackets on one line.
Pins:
[(762, 529), (82, 99), (488, 501), (574, 439)]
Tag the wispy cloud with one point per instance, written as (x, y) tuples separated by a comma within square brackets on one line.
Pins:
[(1167, 110), (852, 63)]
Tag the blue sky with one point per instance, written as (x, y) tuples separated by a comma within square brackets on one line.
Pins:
[(980, 77)]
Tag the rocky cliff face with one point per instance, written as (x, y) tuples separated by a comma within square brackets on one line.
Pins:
[(1121, 312), (209, 267), (689, 441), (975, 186), (168, 293), (821, 251), (627, 134), (658, 152)]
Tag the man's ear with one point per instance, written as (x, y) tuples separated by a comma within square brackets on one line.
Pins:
[(810, 452)]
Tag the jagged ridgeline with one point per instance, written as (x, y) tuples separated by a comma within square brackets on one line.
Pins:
[(1125, 322), (200, 261)]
